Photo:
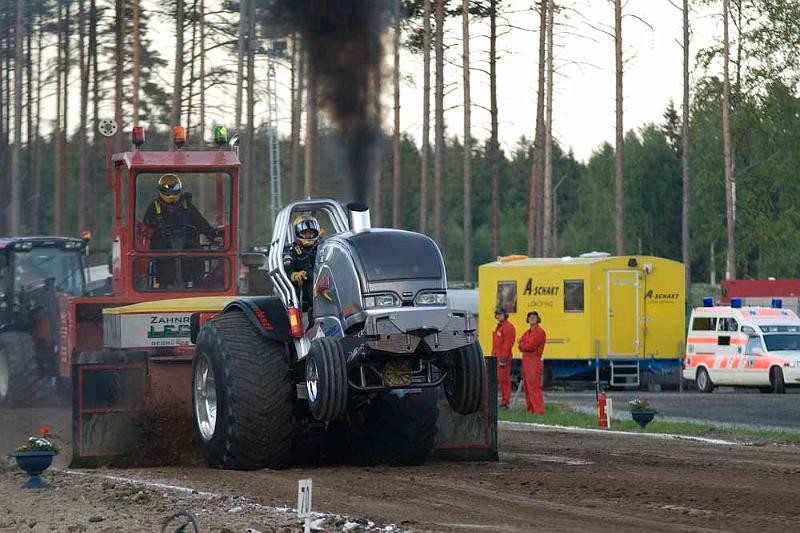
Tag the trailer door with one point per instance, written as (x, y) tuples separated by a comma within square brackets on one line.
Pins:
[(622, 304)]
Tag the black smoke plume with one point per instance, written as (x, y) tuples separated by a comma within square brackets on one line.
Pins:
[(343, 39)]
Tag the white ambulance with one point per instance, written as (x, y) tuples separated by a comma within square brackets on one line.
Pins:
[(743, 346)]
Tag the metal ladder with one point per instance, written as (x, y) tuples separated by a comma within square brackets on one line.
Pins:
[(274, 144), (624, 373)]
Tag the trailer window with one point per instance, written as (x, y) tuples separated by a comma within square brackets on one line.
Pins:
[(573, 296), (704, 323), (507, 296)]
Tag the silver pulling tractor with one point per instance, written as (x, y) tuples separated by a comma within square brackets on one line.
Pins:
[(361, 365)]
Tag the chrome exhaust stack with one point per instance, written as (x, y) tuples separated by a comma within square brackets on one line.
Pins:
[(359, 217)]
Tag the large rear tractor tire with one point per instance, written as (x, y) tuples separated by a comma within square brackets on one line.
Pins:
[(776, 380), (326, 380), (19, 376), (400, 431), (466, 373), (242, 396)]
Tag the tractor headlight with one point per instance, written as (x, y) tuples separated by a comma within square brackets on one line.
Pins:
[(73, 245), (381, 300), (24, 246), (431, 298)]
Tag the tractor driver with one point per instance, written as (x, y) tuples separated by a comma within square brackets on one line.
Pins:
[(299, 260), (174, 221)]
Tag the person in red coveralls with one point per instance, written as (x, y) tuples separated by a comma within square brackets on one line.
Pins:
[(502, 342), (531, 344)]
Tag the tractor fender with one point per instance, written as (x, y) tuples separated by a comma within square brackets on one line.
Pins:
[(267, 314)]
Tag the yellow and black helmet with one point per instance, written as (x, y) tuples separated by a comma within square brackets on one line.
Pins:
[(303, 224), (170, 188)]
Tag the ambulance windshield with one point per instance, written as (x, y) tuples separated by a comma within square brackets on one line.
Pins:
[(782, 342)]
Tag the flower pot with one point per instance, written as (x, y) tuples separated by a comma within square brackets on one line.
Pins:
[(34, 463), (643, 417)]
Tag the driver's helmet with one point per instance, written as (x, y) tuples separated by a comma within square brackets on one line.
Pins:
[(304, 224), (169, 188)]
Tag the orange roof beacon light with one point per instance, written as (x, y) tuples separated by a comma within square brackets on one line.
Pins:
[(137, 136), (86, 235), (179, 136)]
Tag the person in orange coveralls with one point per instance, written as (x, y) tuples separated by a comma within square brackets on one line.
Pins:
[(502, 341), (531, 344)]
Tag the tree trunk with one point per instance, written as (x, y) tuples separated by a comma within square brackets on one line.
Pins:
[(57, 192), (619, 184), (67, 64), (136, 63), (730, 261), (377, 168), (547, 214), (685, 153), (192, 56), (177, 95), (252, 184), (37, 160), (298, 72), (240, 64), (396, 138), (312, 126), (202, 16), (83, 154), (119, 71), (28, 193), (467, 145), (15, 211), (438, 165), (494, 147), (534, 201), (94, 214), (424, 173)]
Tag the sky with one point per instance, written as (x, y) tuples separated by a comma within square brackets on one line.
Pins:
[(583, 107), (584, 84)]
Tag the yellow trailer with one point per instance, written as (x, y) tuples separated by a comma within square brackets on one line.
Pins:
[(621, 316)]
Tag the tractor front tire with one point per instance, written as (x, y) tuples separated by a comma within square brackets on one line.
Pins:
[(326, 379), (242, 396), (18, 373), (466, 373)]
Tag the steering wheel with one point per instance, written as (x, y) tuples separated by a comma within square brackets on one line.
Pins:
[(179, 236)]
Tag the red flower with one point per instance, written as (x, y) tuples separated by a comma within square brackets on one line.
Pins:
[(44, 430)]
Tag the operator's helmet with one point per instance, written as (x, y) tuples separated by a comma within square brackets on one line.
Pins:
[(305, 224), (170, 188)]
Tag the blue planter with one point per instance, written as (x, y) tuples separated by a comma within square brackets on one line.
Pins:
[(34, 463), (643, 417)]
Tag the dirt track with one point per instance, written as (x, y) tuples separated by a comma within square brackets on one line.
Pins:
[(545, 481)]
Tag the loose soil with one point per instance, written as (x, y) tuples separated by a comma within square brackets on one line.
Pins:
[(546, 480)]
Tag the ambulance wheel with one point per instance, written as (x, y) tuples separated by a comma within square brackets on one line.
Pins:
[(704, 383), (463, 384), (326, 379), (242, 396), (776, 380)]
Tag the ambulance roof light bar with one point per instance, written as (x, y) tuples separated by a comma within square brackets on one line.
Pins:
[(708, 301), (777, 303), (736, 303)]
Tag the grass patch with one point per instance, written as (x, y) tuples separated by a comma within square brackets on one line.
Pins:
[(561, 414)]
